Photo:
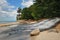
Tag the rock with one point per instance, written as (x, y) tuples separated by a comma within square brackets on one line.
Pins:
[(35, 32)]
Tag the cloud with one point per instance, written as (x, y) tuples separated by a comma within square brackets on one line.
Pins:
[(6, 10), (27, 3)]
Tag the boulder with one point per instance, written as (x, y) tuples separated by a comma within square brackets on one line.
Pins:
[(35, 32)]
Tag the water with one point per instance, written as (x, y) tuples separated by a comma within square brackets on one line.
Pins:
[(22, 31), (3, 22)]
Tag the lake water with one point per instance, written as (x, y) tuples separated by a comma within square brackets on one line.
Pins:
[(3, 22), (22, 31)]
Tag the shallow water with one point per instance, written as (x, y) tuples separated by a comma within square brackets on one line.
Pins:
[(3, 22), (22, 31)]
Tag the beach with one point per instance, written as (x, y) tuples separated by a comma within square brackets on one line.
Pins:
[(21, 22), (8, 24), (24, 34), (21, 31), (51, 34)]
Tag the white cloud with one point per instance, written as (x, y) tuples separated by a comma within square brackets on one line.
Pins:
[(27, 3), (6, 9)]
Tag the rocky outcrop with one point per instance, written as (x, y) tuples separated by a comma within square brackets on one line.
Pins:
[(35, 32)]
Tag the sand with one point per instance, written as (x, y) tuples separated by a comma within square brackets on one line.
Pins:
[(47, 36), (22, 22), (51, 34), (8, 24)]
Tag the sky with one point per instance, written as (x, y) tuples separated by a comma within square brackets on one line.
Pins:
[(8, 8)]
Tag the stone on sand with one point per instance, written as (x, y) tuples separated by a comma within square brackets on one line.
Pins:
[(35, 32)]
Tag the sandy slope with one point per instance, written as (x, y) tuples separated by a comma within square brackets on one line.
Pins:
[(49, 34)]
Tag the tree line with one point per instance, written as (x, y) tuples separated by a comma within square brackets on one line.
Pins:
[(41, 9)]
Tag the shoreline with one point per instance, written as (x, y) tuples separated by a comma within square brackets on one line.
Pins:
[(40, 35), (8, 24), (22, 22), (30, 21), (18, 22)]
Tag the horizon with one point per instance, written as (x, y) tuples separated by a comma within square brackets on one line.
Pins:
[(8, 8)]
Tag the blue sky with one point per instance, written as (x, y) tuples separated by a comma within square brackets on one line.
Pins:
[(8, 8), (16, 3)]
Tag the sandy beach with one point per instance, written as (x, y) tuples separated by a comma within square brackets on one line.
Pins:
[(22, 31), (47, 36), (22, 22), (8, 24), (52, 34)]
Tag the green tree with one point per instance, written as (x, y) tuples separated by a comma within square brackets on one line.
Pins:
[(42, 9), (18, 15), (19, 10), (26, 14)]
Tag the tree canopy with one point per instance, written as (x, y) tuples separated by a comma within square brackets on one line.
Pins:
[(41, 9)]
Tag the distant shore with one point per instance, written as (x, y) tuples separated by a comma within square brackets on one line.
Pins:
[(8, 24), (21, 22)]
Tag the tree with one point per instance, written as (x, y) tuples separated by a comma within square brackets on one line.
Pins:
[(42, 9), (18, 15), (26, 14), (19, 10)]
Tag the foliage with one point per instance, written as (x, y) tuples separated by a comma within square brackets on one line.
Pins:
[(19, 10), (26, 14), (42, 9)]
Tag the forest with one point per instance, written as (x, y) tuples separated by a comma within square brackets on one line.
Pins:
[(40, 9)]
